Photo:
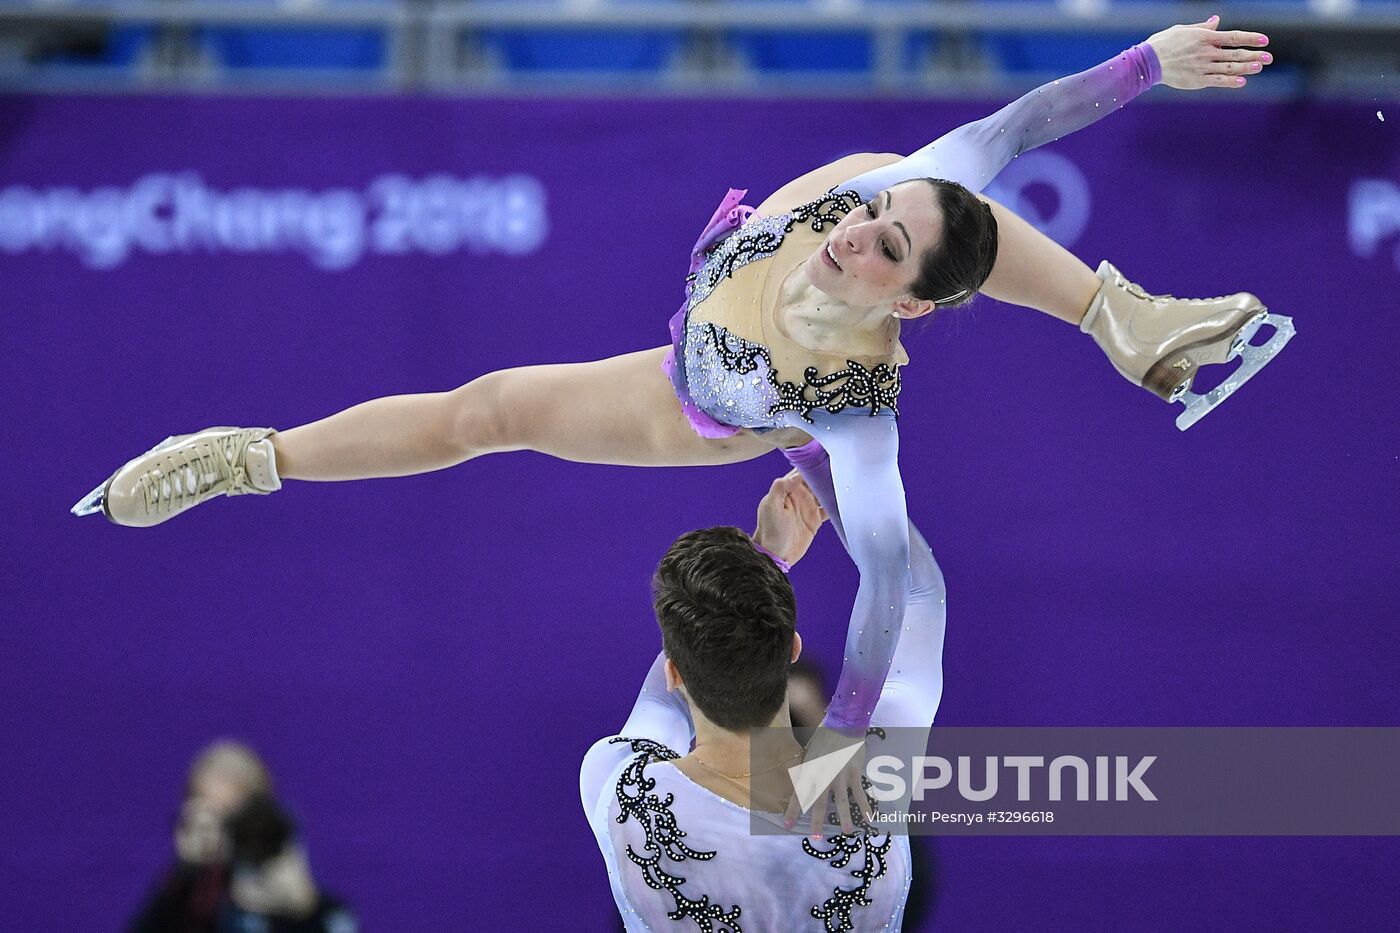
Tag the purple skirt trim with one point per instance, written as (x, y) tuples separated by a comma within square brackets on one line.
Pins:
[(728, 217)]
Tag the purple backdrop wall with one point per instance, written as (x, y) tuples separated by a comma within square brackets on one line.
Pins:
[(424, 661)]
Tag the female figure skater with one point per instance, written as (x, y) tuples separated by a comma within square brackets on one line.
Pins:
[(789, 337)]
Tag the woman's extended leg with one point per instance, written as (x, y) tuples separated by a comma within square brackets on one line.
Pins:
[(621, 411), (1034, 271)]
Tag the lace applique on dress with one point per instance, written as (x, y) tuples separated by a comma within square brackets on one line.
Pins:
[(712, 348), (715, 356), (636, 799), (852, 387), (760, 238), (827, 210), (757, 239)]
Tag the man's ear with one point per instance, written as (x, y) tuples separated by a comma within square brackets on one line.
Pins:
[(673, 676), (912, 308), (796, 645)]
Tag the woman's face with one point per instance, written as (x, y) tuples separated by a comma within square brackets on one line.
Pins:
[(871, 258)]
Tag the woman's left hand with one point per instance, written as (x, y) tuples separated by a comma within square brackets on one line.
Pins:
[(1199, 55), (788, 518)]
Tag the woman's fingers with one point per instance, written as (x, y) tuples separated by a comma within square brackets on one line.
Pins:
[(814, 825), (793, 813), (1223, 81), (843, 810), (1236, 68), (1242, 55), (1240, 39)]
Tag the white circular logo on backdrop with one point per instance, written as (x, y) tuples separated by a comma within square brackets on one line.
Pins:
[(1373, 216), (1066, 221)]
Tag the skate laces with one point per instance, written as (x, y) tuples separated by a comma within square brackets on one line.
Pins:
[(1137, 291), (186, 476)]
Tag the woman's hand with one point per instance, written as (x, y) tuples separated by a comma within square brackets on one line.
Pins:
[(788, 518), (811, 791), (1197, 56)]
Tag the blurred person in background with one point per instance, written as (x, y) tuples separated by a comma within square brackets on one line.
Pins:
[(272, 890), (221, 778), (237, 868)]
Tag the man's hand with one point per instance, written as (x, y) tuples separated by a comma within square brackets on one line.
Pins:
[(788, 518), (1196, 56)]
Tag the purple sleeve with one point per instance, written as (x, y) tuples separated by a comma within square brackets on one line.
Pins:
[(973, 154), (856, 479), (783, 565)]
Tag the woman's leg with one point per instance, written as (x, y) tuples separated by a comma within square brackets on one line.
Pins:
[(621, 411), (1034, 271), (1158, 342)]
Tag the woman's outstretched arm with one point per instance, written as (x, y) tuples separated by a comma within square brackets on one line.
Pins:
[(1186, 57), (853, 470)]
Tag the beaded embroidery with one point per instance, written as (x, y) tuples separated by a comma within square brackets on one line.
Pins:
[(760, 238), (827, 210), (636, 800), (855, 386), (835, 911), (663, 837), (852, 387)]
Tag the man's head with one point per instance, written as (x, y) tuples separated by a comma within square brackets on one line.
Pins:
[(728, 624)]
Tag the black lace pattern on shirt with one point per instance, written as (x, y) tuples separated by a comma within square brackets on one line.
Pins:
[(637, 800), (835, 911)]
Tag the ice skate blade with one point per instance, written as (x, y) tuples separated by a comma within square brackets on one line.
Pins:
[(1246, 334), (1252, 359), (96, 500), (92, 502)]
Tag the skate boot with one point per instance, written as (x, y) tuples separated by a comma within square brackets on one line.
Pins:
[(181, 472), (1158, 342)]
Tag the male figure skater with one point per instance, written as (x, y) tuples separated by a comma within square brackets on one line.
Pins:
[(671, 796)]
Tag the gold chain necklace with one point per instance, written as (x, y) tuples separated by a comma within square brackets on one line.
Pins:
[(735, 777)]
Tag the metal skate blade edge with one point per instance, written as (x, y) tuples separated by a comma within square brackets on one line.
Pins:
[(1252, 360)]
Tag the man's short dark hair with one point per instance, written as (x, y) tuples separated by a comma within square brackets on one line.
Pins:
[(727, 617)]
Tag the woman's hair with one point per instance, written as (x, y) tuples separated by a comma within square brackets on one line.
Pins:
[(952, 272), (727, 616)]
